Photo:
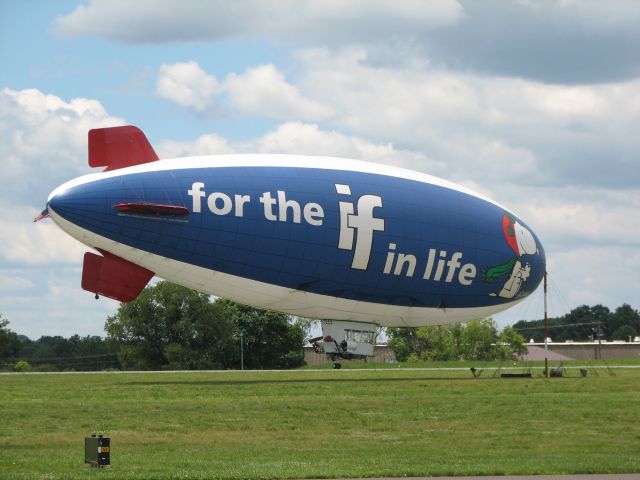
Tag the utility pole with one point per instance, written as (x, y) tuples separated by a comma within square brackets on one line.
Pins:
[(599, 339), (241, 352), (597, 334), (546, 364)]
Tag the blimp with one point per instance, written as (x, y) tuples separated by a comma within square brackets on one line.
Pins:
[(355, 244)]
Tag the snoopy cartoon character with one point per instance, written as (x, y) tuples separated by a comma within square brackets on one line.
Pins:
[(521, 241)]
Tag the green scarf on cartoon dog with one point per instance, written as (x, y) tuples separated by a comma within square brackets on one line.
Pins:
[(489, 274)]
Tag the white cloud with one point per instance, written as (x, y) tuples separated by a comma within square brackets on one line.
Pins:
[(258, 92), (544, 40), (41, 243), (538, 132), (43, 137), (209, 144), (14, 281), (55, 305), (300, 138), (570, 217), (189, 20), (602, 16), (501, 129), (187, 85), (43, 142), (590, 275), (309, 139), (263, 91)]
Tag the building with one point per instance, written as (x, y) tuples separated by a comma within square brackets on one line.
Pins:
[(557, 351), (605, 350)]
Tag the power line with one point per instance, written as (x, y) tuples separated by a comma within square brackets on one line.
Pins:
[(74, 357), (81, 362)]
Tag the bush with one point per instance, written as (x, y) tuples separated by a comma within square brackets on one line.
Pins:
[(22, 366)]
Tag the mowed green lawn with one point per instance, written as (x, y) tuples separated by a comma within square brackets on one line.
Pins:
[(312, 424)]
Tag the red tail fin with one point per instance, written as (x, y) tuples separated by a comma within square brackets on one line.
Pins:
[(119, 147), (113, 277)]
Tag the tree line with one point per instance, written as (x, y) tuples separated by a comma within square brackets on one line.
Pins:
[(473, 340), (480, 339), (168, 327), (18, 352), (585, 323)]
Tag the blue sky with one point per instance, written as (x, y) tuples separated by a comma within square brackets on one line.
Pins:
[(121, 76), (535, 104)]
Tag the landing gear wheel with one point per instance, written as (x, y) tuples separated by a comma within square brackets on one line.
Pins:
[(337, 366)]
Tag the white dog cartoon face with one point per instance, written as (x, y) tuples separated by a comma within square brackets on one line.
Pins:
[(524, 240)]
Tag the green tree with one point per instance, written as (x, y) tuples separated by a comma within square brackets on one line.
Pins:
[(75, 353), (433, 342), (54, 350), (439, 342), (270, 339), (404, 342), (624, 316), (473, 340), (9, 343), (476, 339), (582, 324), (510, 344), (172, 327), (624, 332)]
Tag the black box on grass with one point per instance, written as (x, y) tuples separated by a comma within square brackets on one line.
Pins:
[(97, 450)]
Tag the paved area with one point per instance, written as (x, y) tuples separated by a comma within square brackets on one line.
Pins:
[(598, 476), (537, 353)]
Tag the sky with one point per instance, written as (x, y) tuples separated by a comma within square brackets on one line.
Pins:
[(535, 104)]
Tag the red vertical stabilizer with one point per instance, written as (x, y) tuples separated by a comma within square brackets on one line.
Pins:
[(119, 147), (113, 277)]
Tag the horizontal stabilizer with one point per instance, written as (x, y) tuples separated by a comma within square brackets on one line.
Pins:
[(113, 277), (119, 147)]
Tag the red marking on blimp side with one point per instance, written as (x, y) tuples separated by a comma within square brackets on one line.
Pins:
[(151, 209), (119, 147), (510, 233), (113, 277)]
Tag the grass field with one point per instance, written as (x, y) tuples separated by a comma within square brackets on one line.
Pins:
[(316, 424)]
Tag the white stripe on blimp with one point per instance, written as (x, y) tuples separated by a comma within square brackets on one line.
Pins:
[(273, 297)]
